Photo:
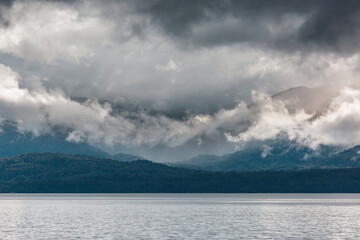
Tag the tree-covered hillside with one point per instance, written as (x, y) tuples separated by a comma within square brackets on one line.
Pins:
[(51, 173)]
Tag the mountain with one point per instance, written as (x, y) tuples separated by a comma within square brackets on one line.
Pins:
[(345, 159), (270, 155), (311, 100), (281, 153), (13, 143), (280, 156), (63, 173)]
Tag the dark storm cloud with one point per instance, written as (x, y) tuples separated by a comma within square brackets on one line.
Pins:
[(4, 4), (327, 24)]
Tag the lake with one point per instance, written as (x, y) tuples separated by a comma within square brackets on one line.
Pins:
[(179, 216)]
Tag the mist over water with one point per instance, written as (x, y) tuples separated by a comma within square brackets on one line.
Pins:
[(180, 216)]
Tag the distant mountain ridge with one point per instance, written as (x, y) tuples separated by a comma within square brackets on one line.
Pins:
[(280, 156)]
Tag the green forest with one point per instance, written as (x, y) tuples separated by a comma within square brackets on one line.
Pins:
[(64, 173)]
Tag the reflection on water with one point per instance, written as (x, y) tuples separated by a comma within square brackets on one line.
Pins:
[(180, 216)]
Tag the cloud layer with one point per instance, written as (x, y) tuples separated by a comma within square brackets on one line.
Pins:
[(338, 124), (198, 56), (285, 24), (41, 111), (189, 76)]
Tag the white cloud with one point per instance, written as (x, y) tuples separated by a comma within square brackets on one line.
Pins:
[(170, 66), (39, 111), (338, 125), (46, 31), (270, 118), (75, 137)]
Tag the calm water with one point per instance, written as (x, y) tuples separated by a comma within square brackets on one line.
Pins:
[(180, 216)]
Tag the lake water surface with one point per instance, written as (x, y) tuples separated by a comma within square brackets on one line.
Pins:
[(180, 216)]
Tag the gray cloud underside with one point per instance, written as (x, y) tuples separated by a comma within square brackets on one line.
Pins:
[(283, 24)]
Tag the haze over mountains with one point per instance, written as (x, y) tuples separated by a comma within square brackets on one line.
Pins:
[(276, 152), (13, 143), (282, 152)]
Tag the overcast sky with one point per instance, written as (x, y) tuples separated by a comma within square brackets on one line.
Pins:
[(182, 72)]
